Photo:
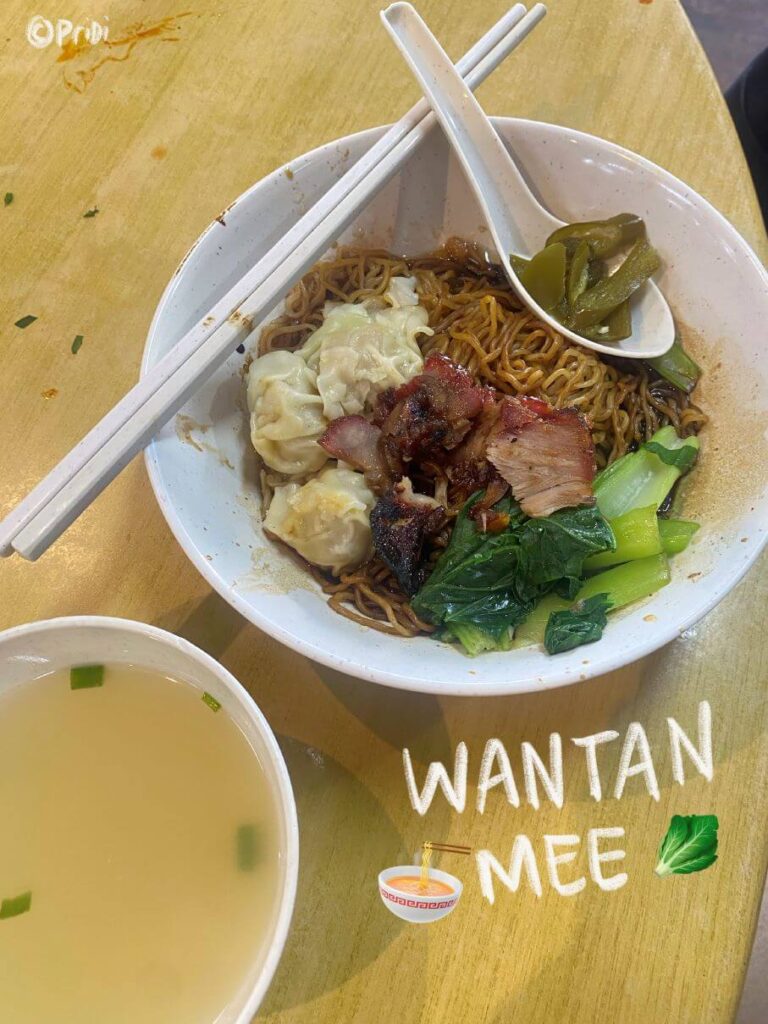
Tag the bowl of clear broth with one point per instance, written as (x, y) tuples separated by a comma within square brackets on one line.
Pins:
[(417, 900), (150, 853)]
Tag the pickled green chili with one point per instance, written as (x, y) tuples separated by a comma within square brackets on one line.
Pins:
[(570, 280), (604, 237), (596, 304), (616, 327), (544, 276), (578, 273)]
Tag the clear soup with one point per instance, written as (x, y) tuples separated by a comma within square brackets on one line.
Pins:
[(140, 858)]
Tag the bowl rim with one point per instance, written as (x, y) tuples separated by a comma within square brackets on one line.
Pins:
[(600, 663), (412, 871), (286, 799)]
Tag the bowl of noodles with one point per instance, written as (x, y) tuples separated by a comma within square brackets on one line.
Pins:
[(407, 476)]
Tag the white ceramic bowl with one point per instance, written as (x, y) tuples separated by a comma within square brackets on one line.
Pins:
[(717, 289), (29, 651), (418, 909)]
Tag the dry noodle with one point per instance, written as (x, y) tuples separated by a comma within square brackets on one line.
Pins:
[(479, 322)]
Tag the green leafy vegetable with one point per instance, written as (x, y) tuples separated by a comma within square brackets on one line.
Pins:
[(8, 198), (475, 640), (637, 536), (16, 905), (491, 581), (86, 677), (582, 624), (25, 321), (211, 701), (76, 344), (677, 367), (643, 477), (681, 458), (553, 549), (531, 629), (689, 845), (250, 843), (676, 534), (475, 580), (621, 585), (627, 583), (92, 212)]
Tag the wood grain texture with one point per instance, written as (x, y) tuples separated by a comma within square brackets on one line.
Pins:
[(161, 142)]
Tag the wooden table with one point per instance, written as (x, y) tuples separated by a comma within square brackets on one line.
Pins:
[(160, 142)]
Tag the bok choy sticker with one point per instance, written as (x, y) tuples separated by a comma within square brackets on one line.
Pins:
[(689, 845)]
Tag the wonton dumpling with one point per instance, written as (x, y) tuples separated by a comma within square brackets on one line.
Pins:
[(402, 292), (359, 351), (286, 413), (326, 519)]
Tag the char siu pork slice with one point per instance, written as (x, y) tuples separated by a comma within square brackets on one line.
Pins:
[(468, 467), (432, 412), (546, 455), (356, 441), (400, 523)]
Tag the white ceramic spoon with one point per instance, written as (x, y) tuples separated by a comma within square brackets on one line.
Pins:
[(517, 221)]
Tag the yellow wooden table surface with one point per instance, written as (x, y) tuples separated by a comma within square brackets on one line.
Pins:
[(161, 137)]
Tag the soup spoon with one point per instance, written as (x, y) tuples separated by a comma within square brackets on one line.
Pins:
[(518, 223)]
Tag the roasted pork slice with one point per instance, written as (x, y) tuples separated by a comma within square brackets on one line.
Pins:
[(488, 519), (401, 521), (468, 467), (546, 455), (417, 425), (467, 396), (356, 441), (433, 412)]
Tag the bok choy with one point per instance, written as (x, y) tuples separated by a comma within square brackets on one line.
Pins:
[(485, 584), (645, 477), (555, 579), (618, 587), (676, 534)]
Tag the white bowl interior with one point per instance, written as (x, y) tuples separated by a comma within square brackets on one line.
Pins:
[(28, 652), (203, 471)]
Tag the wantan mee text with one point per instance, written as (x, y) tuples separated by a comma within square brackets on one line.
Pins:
[(545, 778)]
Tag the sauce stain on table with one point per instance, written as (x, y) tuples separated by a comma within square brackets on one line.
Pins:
[(114, 51)]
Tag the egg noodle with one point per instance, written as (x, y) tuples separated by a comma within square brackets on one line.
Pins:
[(480, 323), (426, 857)]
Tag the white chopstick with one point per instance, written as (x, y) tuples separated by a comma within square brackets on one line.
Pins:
[(71, 486)]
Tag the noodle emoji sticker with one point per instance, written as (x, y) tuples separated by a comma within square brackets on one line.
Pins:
[(421, 894)]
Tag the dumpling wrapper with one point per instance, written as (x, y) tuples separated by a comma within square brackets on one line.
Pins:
[(360, 351), (401, 292), (327, 519), (286, 413)]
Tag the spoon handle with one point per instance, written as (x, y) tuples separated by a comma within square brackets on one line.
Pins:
[(518, 223), (514, 216)]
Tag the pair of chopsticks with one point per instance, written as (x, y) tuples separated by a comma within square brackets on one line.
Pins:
[(79, 478), (448, 848)]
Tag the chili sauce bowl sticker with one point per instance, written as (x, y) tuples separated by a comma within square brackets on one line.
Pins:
[(413, 906)]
